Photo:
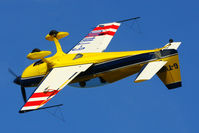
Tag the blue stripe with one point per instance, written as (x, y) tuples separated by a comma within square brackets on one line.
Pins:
[(31, 82), (98, 68), (174, 85)]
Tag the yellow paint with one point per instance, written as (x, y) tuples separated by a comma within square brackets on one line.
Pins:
[(60, 35), (63, 84), (38, 55), (61, 59), (170, 75), (58, 47), (42, 103), (138, 81)]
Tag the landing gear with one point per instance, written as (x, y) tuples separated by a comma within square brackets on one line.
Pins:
[(170, 40), (35, 50), (53, 33)]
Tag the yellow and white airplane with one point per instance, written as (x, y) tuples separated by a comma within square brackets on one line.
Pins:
[(86, 65)]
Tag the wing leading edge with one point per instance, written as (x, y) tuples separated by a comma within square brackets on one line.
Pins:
[(54, 82)]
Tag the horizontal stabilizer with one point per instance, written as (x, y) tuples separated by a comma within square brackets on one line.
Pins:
[(149, 70), (173, 45)]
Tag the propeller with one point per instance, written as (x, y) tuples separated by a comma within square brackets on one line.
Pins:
[(12, 72), (17, 80), (23, 92)]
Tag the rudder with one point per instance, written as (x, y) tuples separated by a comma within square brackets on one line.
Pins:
[(170, 73)]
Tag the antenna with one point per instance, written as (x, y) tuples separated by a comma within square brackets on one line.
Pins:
[(121, 21)]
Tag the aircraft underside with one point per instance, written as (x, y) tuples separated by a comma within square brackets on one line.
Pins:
[(107, 72)]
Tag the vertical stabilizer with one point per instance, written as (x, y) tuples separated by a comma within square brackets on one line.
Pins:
[(170, 73)]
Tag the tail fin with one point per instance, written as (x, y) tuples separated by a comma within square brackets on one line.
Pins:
[(170, 73)]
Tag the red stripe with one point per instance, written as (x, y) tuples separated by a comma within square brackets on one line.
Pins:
[(40, 94), (36, 103), (107, 27), (33, 103), (44, 94)]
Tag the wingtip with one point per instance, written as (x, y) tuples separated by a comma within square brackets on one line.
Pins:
[(24, 111)]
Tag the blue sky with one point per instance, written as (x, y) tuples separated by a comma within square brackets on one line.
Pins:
[(119, 107)]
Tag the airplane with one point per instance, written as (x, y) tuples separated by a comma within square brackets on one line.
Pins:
[(86, 65)]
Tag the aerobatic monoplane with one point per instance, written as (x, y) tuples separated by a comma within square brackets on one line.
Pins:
[(86, 65)]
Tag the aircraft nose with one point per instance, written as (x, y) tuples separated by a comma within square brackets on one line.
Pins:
[(17, 80)]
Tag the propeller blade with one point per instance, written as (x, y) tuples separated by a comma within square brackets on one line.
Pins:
[(17, 81), (12, 72), (23, 92)]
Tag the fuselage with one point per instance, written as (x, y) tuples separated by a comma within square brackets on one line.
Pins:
[(105, 68)]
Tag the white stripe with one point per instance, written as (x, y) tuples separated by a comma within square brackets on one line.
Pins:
[(114, 23), (38, 99), (29, 108)]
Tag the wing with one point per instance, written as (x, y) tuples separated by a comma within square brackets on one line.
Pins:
[(149, 70), (98, 39), (56, 80)]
